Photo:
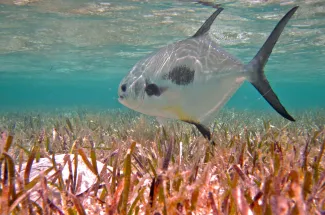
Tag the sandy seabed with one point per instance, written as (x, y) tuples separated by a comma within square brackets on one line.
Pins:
[(117, 162)]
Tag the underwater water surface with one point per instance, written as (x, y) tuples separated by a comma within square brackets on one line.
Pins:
[(73, 53)]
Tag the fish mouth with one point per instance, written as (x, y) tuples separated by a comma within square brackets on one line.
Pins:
[(135, 106), (120, 100)]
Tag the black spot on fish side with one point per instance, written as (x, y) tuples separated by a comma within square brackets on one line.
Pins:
[(181, 75), (152, 90)]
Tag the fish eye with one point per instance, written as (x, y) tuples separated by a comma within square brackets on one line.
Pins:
[(123, 87)]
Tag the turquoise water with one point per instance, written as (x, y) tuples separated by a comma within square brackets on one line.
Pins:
[(71, 54)]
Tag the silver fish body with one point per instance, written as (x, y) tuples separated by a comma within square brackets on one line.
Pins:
[(209, 77), (192, 79)]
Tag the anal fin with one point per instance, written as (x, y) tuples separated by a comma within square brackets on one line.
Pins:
[(162, 121), (204, 130)]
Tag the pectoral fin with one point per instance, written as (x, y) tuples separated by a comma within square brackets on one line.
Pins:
[(154, 90)]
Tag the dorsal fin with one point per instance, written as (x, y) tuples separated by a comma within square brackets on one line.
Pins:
[(206, 26)]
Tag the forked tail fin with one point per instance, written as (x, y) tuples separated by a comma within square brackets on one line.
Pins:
[(256, 67)]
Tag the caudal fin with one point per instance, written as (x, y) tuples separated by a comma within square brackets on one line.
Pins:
[(256, 67)]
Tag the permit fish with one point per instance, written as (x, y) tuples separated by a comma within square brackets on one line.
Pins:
[(191, 80)]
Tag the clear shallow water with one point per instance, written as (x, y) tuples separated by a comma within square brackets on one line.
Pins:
[(70, 54)]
